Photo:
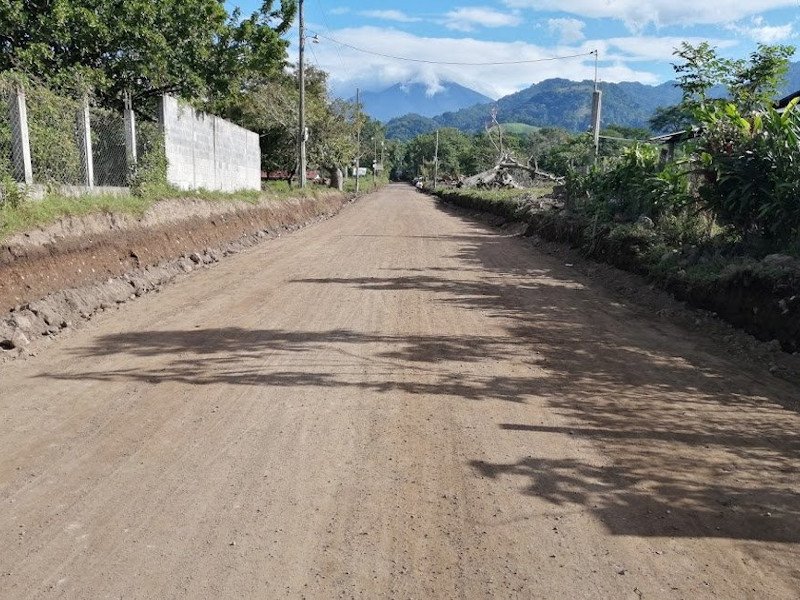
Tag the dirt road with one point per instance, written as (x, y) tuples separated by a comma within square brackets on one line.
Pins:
[(396, 403)]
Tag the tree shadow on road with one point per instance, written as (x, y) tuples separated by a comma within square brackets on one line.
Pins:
[(329, 359), (683, 429), (695, 444)]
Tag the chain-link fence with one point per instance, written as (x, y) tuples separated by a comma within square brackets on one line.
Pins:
[(54, 139), (11, 147), (6, 138), (54, 125), (108, 147)]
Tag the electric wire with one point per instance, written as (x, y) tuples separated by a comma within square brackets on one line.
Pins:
[(453, 63), (327, 25)]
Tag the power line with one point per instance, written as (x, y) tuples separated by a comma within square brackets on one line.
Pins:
[(459, 64), (316, 60), (328, 28)]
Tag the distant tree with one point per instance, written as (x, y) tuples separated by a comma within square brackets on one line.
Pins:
[(754, 83), (701, 70), (672, 118), (751, 84), (271, 108)]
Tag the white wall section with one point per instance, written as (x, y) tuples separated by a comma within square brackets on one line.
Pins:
[(208, 152)]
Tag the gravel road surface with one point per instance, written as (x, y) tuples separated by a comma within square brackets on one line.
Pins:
[(399, 402)]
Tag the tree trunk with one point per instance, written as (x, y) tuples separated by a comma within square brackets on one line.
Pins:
[(499, 176), (337, 178)]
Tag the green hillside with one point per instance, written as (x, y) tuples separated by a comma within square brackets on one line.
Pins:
[(566, 104)]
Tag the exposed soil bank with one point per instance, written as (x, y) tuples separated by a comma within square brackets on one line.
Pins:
[(53, 276), (761, 297)]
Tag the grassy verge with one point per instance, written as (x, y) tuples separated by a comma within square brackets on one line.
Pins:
[(36, 213), (759, 294)]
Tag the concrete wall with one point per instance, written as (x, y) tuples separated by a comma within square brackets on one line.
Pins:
[(204, 151)]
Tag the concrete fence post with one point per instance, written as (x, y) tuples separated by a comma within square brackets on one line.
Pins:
[(85, 142), (130, 131), (20, 138)]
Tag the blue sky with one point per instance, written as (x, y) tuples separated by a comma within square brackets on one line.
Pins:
[(635, 38)]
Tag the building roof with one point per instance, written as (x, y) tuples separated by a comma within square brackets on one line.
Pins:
[(784, 102), (678, 136)]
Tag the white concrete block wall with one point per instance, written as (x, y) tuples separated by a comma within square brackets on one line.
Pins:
[(204, 151)]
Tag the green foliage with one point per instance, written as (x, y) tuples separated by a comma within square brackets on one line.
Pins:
[(409, 126), (635, 186), (509, 204), (193, 48), (149, 178), (270, 108), (567, 154), (667, 119), (754, 83), (752, 169), (701, 70), (52, 124), (458, 154), (11, 194)]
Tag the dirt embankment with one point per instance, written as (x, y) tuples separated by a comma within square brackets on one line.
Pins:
[(54, 276), (762, 297)]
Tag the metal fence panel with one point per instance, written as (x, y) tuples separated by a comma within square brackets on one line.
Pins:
[(54, 137), (108, 147)]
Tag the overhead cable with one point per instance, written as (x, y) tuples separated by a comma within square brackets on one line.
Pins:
[(452, 63)]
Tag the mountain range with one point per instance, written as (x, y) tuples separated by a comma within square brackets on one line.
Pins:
[(405, 98), (560, 103)]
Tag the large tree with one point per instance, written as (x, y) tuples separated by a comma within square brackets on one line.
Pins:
[(270, 108), (193, 48)]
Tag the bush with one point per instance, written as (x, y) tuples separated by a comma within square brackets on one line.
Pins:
[(634, 186), (149, 177), (751, 169)]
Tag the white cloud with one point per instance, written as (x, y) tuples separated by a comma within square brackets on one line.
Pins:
[(568, 30), (637, 14), (759, 31), (772, 34), (620, 60), (339, 10), (469, 18), (390, 15), (647, 48)]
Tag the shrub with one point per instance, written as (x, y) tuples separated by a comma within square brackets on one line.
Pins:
[(633, 186), (149, 177), (751, 169)]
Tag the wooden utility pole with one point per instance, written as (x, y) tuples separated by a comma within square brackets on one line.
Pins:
[(302, 135), (436, 161), (358, 139)]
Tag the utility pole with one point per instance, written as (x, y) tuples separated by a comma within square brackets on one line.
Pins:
[(436, 161), (358, 139), (302, 135), (597, 102), (375, 161)]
